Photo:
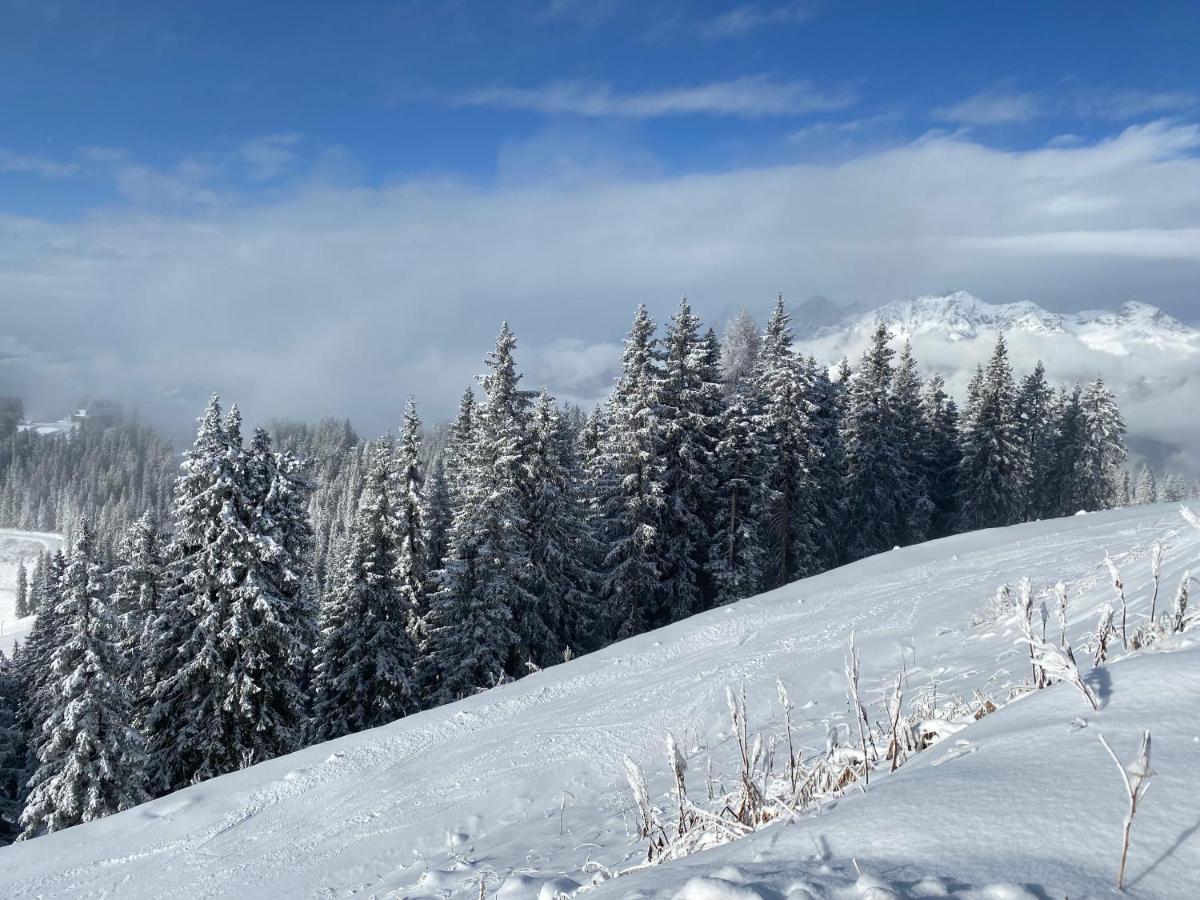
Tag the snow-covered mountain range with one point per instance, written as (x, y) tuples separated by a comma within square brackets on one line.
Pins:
[(962, 317), (1151, 359)]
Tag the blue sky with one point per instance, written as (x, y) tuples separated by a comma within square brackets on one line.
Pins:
[(288, 201), (170, 105)]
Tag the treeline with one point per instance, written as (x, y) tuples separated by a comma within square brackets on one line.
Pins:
[(1150, 488), (109, 474), (713, 471)]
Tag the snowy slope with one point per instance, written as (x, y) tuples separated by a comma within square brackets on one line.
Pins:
[(16, 547), (1149, 358), (525, 784)]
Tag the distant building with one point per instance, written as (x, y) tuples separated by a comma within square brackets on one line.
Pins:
[(94, 416), (99, 415)]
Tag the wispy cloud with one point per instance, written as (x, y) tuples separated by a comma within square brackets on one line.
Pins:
[(750, 96), (270, 155), (182, 186), (1132, 104), (35, 165), (741, 20), (845, 128), (991, 108), (1001, 107)]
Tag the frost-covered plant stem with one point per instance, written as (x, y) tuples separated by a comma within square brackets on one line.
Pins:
[(1179, 614), (641, 796), (860, 714), (1119, 586), (793, 769), (1156, 557), (1025, 589), (1060, 591), (1137, 781), (1054, 663), (750, 808), (894, 708)]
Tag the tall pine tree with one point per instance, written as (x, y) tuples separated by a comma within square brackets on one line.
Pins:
[(632, 508), (228, 694), (994, 472), (484, 623), (365, 657), (783, 423), (874, 470), (89, 758)]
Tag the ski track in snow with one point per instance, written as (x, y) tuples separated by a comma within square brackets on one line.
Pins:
[(524, 784)]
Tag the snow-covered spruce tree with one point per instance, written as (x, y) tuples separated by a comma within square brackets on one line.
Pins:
[(632, 508), (943, 455), (1035, 417), (593, 487), (226, 654), (994, 472), (1145, 490), (459, 443), (914, 508), (826, 463), (45, 635), (21, 592), (437, 514), (1069, 434), (484, 623), (412, 578), (560, 542), (873, 465), (783, 423), (13, 746), (688, 416), (740, 346), (37, 583), (735, 557), (281, 495), (1102, 451), (89, 758), (365, 657), (138, 587)]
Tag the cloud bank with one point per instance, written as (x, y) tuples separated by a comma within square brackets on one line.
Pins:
[(343, 300)]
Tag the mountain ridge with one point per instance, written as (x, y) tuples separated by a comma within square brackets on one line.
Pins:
[(960, 315)]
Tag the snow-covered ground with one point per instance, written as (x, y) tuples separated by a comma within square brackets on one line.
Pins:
[(525, 784), (17, 547)]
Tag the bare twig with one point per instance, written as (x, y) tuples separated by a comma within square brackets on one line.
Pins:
[(1136, 777)]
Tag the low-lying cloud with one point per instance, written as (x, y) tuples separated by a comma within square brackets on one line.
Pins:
[(342, 301)]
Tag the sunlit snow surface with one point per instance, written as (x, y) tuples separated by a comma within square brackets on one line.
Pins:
[(524, 785), (17, 547)]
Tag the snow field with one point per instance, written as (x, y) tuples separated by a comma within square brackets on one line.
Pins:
[(523, 787)]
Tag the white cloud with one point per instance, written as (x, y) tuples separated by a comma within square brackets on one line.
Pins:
[(1133, 104), (35, 165), (157, 188), (751, 96), (741, 20), (991, 108), (270, 155), (1001, 107), (342, 300)]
